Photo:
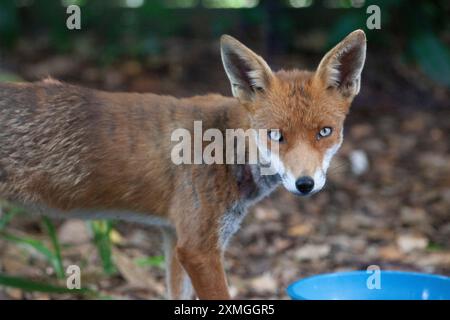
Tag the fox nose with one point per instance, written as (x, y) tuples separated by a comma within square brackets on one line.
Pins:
[(305, 184)]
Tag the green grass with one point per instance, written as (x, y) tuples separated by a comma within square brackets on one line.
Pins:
[(154, 261), (53, 254), (101, 230), (39, 247), (435, 247), (57, 258), (9, 77), (33, 286)]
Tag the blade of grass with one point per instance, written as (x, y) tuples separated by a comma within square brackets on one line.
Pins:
[(102, 239), (30, 286), (31, 243), (155, 261), (59, 269), (37, 245)]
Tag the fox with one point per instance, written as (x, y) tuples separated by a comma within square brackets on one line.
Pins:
[(71, 152)]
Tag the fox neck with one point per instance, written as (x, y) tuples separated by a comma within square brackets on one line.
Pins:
[(253, 185)]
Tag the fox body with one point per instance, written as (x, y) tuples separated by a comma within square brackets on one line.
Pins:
[(68, 151)]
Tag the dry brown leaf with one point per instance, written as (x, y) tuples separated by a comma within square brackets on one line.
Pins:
[(300, 230), (136, 276)]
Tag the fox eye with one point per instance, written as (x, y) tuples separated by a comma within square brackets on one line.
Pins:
[(257, 89), (324, 132), (275, 135)]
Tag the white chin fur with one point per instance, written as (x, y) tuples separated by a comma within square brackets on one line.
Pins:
[(319, 180)]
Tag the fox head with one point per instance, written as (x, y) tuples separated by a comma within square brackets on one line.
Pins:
[(302, 111)]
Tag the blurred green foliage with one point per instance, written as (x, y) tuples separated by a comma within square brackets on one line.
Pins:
[(152, 261), (418, 30), (52, 255), (415, 28), (101, 230), (57, 257), (33, 286)]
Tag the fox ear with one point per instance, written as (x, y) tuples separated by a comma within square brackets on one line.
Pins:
[(248, 73), (341, 67)]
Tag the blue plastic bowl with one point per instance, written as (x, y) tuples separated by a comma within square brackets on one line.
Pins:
[(394, 285)]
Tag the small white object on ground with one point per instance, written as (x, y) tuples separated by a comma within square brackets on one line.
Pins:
[(264, 283), (312, 252), (409, 243), (359, 162)]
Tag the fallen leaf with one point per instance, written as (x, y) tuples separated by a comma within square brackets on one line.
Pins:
[(300, 230), (390, 253), (264, 213), (413, 216), (408, 243), (312, 252), (264, 283), (74, 232), (136, 277)]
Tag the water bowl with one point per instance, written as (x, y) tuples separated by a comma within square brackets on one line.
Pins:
[(378, 285)]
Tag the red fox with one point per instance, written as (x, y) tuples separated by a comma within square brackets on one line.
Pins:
[(67, 151)]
